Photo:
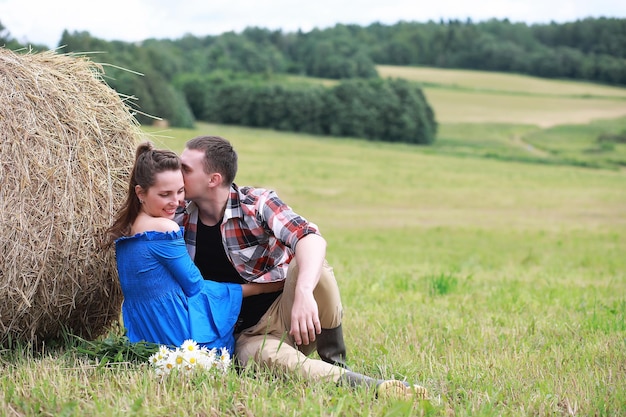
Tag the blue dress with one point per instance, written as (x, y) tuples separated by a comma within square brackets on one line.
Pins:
[(166, 300)]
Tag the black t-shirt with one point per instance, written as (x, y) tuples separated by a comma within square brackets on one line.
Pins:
[(214, 265)]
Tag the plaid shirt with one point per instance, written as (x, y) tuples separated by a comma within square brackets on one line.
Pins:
[(259, 233)]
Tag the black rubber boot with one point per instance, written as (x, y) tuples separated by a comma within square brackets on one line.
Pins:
[(353, 379), (331, 347)]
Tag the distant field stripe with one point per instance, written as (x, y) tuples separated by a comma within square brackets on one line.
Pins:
[(453, 106), (484, 80)]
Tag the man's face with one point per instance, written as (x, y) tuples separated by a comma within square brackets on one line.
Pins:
[(196, 180)]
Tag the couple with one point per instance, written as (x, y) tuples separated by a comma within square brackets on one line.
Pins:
[(244, 272)]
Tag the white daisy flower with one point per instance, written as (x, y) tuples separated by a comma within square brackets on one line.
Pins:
[(188, 358), (189, 346), (224, 360)]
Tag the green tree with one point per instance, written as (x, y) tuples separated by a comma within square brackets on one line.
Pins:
[(5, 36), (135, 71), (333, 53)]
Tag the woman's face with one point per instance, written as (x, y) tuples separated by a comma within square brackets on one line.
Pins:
[(164, 197)]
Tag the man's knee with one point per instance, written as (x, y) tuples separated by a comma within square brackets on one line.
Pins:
[(328, 298), (277, 354), (265, 349), (247, 348), (326, 295)]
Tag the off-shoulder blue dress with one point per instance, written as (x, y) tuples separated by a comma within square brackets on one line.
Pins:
[(166, 300)]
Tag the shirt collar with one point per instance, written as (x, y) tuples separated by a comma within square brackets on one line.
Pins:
[(233, 205)]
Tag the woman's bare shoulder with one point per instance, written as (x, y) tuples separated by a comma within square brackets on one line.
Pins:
[(156, 224)]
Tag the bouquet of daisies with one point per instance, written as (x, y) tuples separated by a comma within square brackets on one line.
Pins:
[(188, 358)]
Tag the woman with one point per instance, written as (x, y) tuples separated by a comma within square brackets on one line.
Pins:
[(166, 300)]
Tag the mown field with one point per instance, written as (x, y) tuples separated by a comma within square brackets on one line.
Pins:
[(488, 267), (521, 117)]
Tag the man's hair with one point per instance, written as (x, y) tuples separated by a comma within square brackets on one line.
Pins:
[(219, 156)]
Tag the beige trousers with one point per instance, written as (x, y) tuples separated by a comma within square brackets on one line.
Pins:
[(268, 342)]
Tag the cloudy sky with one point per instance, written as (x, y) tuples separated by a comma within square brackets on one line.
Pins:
[(43, 21)]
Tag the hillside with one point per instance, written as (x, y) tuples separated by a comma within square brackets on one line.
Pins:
[(464, 96), (522, 118)]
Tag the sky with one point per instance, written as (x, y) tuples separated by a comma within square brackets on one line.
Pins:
[(42, 22)]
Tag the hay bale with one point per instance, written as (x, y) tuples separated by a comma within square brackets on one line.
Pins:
[(67, 144)]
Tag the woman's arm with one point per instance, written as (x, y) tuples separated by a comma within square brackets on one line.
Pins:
[(173, 254)]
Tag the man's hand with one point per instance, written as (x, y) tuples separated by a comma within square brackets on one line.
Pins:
[(305, 322), (271, 286), (257, 288)]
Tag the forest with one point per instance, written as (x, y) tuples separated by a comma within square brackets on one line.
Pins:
[(259, 77)]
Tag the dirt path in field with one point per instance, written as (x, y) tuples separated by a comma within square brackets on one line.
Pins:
[(519, 142)]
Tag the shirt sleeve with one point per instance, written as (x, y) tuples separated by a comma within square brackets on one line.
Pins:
[(288, 226), (172, 254)]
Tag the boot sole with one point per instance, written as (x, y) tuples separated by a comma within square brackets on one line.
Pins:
[(398, 390)]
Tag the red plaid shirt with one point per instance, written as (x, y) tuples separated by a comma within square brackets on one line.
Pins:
[(259, 233)]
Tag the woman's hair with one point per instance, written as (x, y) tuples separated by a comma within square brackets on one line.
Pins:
[(148, 163)]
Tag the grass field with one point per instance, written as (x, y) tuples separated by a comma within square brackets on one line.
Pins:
[(533, 111), (463, 96), (497, 282), (500, 82), (518, 117)]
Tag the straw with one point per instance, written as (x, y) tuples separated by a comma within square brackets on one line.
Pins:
[(67, 144)]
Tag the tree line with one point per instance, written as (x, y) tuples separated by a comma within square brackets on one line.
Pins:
[(592, 49), (375, 109), (186, 79)]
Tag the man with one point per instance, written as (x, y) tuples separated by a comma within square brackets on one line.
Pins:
[(245, 234), (249, 235)]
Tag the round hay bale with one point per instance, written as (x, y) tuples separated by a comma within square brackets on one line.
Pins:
[(67, 144)]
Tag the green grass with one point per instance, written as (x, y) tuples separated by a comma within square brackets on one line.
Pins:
[(497, 283), (576, 145)]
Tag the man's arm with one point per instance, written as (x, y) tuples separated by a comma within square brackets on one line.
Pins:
[(305, 322), (310, 251)]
